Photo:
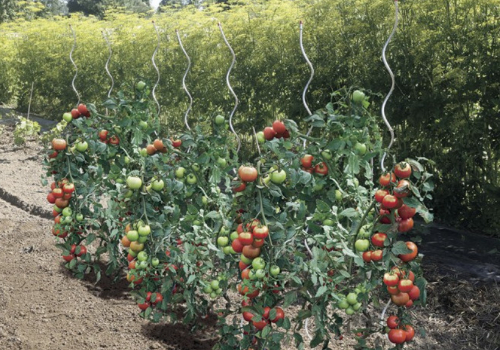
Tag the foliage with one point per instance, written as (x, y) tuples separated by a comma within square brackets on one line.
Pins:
[(170, 235), (445, 55), (25, 129)]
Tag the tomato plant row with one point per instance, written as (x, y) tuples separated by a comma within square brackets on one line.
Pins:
[(196, 226)]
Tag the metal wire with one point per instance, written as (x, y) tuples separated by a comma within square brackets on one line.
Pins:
[(184, 81), (310, 78), (391, 130), (157, 70), (236, 101), (74, 64), (107, 63)]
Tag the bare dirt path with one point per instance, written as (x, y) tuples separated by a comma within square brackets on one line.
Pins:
[(44, 307)]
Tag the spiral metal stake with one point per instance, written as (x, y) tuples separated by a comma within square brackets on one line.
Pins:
[(184, 81), (74, 64), (236, 101), (310, 78), (108, 43), (157, 72), (391, 130)]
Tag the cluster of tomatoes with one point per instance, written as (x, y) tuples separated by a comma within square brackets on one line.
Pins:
[(278, 130), (80, 111), (158, 146), (320, 168), (399, 333), (400, 286), (104, 137)]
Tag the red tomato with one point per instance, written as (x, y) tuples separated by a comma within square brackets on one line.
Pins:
[(51, 198), (397, 336), (251, 252), (321, 168), (260, 232), (400, 299), (385, 219), (269, 133), (377, 255), (103, 135), (68, 257), (53, 155), (75, 114), (402, 189), (386, 179), (392, 322), (410, 256), (257, 243), (260, 324), (392, 290), (247, 173), (402, 170), (114, 140), (380, 194), (410, 332), (405, 225), (245, 238), (242, 265), (143, 306), (367, 256), (307, 161), (390, 279), (245, 274), (247, 316), (279, 127), (150, 149), (414, 293), (390, 201), (176, 143), (405, 285), (378, 239), (280, 314), (240, 188), (159, 298), (406, 212), (59, 144), (82, 109), (237, 246)]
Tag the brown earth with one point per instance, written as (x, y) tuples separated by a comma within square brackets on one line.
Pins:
[(43, 307)]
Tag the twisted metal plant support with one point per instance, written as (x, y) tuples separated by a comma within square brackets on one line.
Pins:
[(74, 64), (391, 130), (236, 101), (157, 72), (310, 78), (184, 81), (108, 43)]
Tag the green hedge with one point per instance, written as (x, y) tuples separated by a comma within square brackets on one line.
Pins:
[(445, 57)]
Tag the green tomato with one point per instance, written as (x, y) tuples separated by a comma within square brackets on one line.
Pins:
[(204, 200), (362, 245), (214, 284), (356, 306), (258, 263), (274, 270), (222, 162), (67, 117), (317, 187), (142, 239), (195, 167), (157, 185), (343, 304), (67, 211), (327, 154), (79, 217), (349, 311), (196, 223), (134, 182), (155, 262), (82, 146), (128, 194), (142, 256), (57, 209), (360, 148), (227, 250), (352, 298), (191, 179), (132, 235), (127, 160), (144, 230), (140, 85), (141, 265), (260, 137), (179, 172), (143, 152), (233, 235), (260, 273), (213, 295), (207, 289), (222, 241), (338, 195), (143, 125), (358, 96), (219, 120), (278, 177), (245, 260), (328, 222)]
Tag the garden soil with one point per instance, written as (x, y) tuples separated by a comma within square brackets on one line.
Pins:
[(43, 307)]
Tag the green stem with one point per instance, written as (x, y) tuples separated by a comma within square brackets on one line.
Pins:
[(309, 138), (372, 205)]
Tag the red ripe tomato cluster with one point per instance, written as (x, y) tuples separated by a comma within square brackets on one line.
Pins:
[(278, 130), (80, 111), (400, 286), (307, 165), (399, 333), (75, 251), (103, 137), (151, 300)]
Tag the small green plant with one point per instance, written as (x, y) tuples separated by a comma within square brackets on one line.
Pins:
[(25, 129)]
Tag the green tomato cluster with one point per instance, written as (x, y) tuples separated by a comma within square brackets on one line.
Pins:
[(350, 303), (212, 288)]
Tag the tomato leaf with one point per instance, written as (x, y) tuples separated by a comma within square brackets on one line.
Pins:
[(321, 290), (349, 213), (400, 248)]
